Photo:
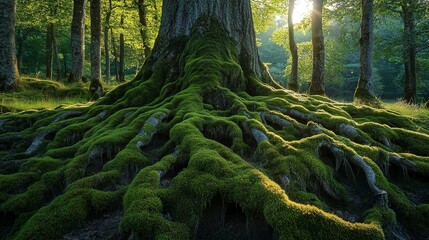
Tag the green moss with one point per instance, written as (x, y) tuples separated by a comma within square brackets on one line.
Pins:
[(63, 214)]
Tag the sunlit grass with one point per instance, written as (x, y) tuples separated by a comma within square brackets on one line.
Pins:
[(410, 110), (33, 93), (417, 112), (19, 104)]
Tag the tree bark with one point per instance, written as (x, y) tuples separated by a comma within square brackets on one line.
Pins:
[(115, 55), (122, 53), (8, 66), (106, 41), (179, 16), (141, 7), (96, 88), (19, 48), (49, 51), (317, 86), (56, 54), (365, 89), (410, 86), (78, 40), (293, 81)]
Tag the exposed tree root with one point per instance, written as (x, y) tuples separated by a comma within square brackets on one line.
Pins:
[(182, 139)]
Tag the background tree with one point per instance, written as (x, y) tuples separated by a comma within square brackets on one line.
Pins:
[(142, 10), (317, 86), (96, 87), (8, 64), (293, 82), (78, 40), (410, 85), (365, 89)]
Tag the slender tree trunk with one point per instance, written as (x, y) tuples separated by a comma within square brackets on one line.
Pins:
[(141, 7), (115, 55), (49, 51), (65, 65), (19, 48), (293, 81), (56, 54), (410, 86), (122, 53), (317, 86), (365, 89), (78, 41), (106, 46), (107, 53), (121, 58), (96, 88), (8, 67)]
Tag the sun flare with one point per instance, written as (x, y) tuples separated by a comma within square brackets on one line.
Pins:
[(302, 10)]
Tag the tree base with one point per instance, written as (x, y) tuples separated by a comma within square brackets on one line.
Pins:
[(363, 96)]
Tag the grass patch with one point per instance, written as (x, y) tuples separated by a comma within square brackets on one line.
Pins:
[(33, 93), (417, 112)]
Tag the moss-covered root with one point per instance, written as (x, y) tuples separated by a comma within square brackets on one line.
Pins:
[(197, 145)]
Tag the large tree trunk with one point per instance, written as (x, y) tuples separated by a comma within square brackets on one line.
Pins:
[(293, 81), (8, 66), (365, 89), (178, 17), (141, 7), (410, 85), (78, 40), (49, 50), (197, 147), (95, 88), (317, 86)]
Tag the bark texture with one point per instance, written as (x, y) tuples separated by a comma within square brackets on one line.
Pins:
[(365, 89), (141, 7), (8, 66), (293, 81), (317, 86), (179, 16), (56, 54), (121, 70), (78, 40), (106, 41), (49, 50), (96, 88), (410, 86)]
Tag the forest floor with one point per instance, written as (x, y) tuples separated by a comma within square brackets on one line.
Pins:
[(37, 94)]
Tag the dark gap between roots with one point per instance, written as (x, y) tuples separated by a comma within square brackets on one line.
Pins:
[(415, 185), (225, 220), (353, 179), (7, 220), (174, 170), (99, 157), (219, 134), (154, 148), (101, 227)]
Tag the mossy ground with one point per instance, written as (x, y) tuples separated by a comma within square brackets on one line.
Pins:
[(194, 127)]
